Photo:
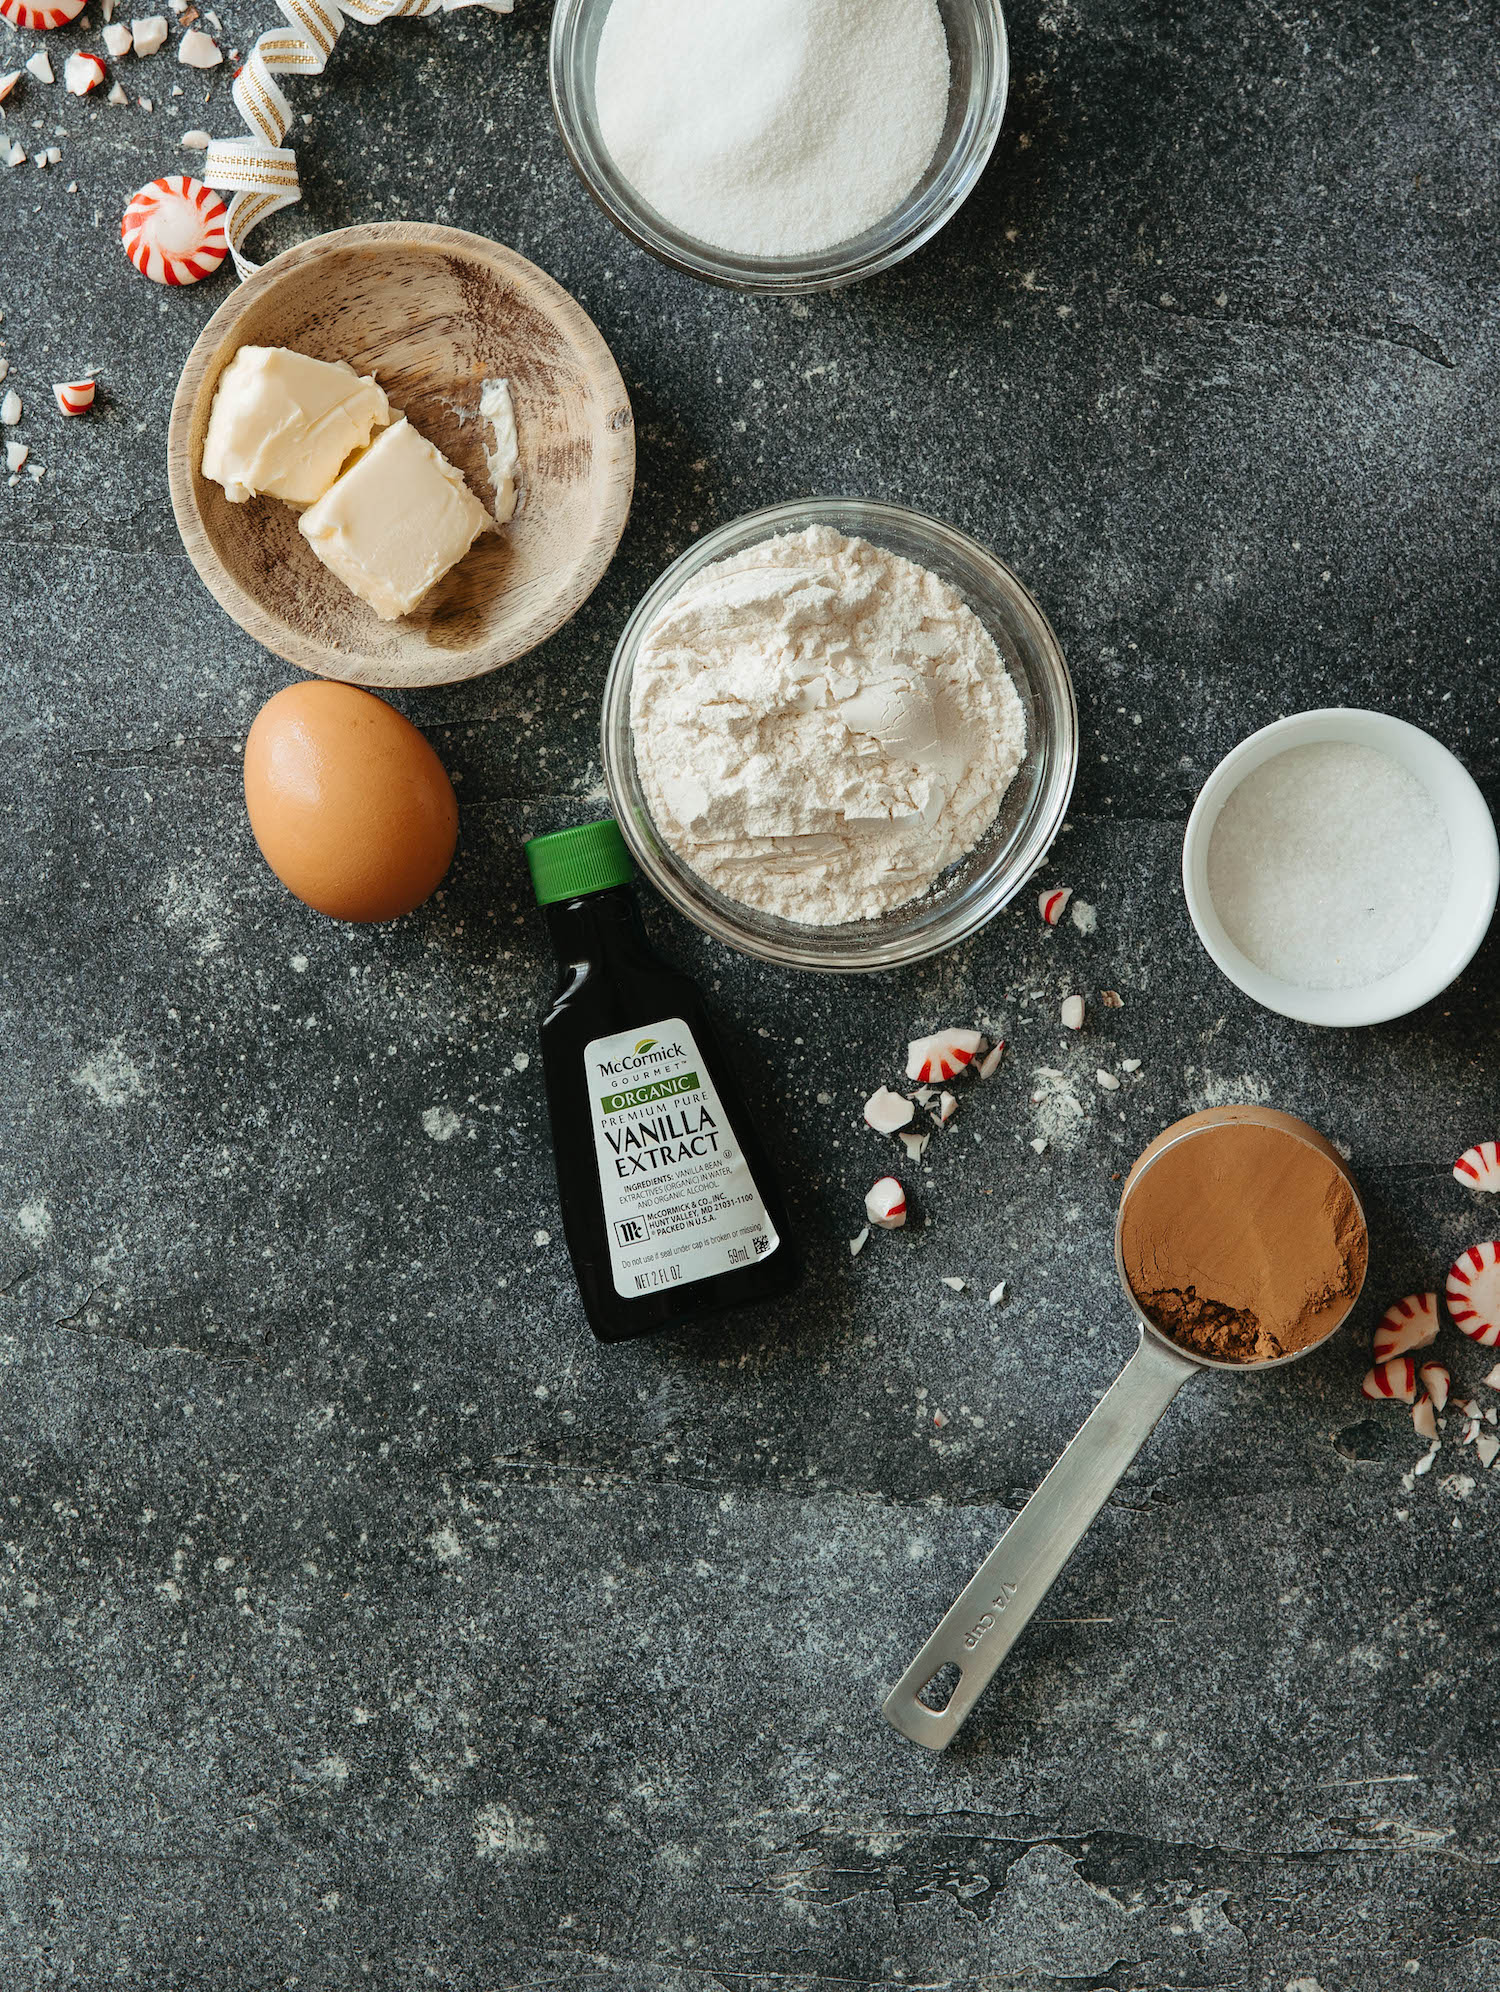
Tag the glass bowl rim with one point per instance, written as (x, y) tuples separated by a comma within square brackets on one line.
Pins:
[(773, 276), (965, 915)]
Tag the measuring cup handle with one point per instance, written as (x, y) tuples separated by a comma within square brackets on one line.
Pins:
[(1017, 1574)]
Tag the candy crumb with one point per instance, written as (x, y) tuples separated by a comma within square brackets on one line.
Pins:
[(947, 1108), (118, 39), (886, 1111), (1492, 1381), (1130, 1065), (859, 1241), (15, 455), (1486, 1450), (1054, 903), (997, 1293), (1107, 1080), (196, 141), (914, 1144), (1072, 1013), (10, 408), (199, 51), (990, 1063), (1111, 999), (73, 396), (38, 66), (117, 95), (1436, 1382), (150, 34), (957, 1285), (82, 72), (939, 1418), (885, 1204), (1424, 1464), (1085, 917), (1424, 1418), (1038, 1144)]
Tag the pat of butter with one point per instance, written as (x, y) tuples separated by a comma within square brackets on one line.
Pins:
[(285, 425), (395, 522)]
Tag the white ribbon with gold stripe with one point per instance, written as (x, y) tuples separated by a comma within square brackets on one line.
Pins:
[(261, 171)]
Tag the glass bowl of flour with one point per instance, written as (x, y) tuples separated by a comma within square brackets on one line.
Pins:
[(782, 146), (950, 766)]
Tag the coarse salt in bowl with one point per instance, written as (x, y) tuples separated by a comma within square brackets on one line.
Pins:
[(1460, 923), (979, 81), (969, 893)]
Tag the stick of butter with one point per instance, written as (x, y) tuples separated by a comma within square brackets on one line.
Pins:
[(395, 522), (285, 424)]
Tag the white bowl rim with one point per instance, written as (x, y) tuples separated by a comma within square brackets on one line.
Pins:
[(1471, 832)]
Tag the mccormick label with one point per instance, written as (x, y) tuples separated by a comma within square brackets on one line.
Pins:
[(680, 1203)]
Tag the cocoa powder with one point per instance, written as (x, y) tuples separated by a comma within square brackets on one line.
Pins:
[(1243, 1241)]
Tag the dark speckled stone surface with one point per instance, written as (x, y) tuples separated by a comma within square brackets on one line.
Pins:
[(361, 1621)]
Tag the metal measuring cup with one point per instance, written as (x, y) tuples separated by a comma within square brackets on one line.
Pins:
[(997, 1603)]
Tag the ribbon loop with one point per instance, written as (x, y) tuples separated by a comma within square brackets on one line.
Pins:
[(259, 170)]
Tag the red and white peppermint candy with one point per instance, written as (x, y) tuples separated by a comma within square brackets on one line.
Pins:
[(82, 72), (1479, 1168), (173, 230), (1397, 1378), (942, 1055), (885, 1204), (1410, 1324), (992, 1058), (1436, 1381), (1474, 1293), (1052, 905), (1424, 1418), (25, 14), (73, 396)]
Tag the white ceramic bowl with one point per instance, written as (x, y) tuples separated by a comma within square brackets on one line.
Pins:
[(1471, 899)]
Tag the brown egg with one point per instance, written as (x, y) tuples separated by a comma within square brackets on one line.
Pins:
[(350, 806)]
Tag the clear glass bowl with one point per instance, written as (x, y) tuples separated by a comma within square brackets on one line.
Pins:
[(979, 63), (970, 892)]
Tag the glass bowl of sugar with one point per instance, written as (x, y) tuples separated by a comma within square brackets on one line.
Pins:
[(967, 892), (780, 146), (1341, 867)]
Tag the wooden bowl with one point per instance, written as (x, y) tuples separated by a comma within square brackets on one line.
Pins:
[(433, 312)]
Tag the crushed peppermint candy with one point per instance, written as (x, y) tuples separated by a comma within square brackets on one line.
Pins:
[(1436, 1382), (858, 1242), (1406, 1324), (997, 1293), (946, 1109), (1478, 1168), (1107, 1080), (10, 408), (8, 83), (1072, 1013), (1130, 1065), (1085, 917), (196, 141), (82, 72), (38, 66), (887, 1112), (1053, 904), (15, 455), (914, 1144), (956, 1285), (199, 51), (117, 95), (989, 1065), (943, 1055), (118, 39), (885, 1204), (149, 34)]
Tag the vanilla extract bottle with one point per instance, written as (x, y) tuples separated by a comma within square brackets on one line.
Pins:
[(669, 1205)]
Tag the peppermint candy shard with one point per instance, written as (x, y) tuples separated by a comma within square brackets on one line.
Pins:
[(1479, 1168), (1473, 1291), (1410, 1324), (1052, 905), (887, 1112), (56, 14), (73, 396), (1424, 1419), (992, 1058), (1436, 1381), (885, 1204), (943, 1055), (173, 230), (1395, 1379), (82, 72)]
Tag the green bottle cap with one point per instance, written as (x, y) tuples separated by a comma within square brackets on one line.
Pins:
[(568, 863)]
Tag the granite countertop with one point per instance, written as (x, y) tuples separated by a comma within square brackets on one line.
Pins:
[(361, 1621)]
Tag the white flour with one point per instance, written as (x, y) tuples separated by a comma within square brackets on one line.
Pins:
[(772, 127), (822, 727)]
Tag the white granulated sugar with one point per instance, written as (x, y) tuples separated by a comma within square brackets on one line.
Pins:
[(821, 727), (772, 127), (1329, 866)]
